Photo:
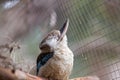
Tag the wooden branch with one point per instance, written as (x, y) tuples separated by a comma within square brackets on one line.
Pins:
[(8, 74)]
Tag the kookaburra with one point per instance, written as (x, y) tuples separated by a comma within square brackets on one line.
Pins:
[(56, 59)]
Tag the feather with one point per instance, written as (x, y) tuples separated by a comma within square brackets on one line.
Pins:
[(42, 59)]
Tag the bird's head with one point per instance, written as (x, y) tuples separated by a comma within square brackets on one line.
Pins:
[(55, 38)]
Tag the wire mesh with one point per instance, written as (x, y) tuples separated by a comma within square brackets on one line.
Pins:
[(94, 37)]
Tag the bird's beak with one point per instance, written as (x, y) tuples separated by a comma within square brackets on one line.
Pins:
[(63, 30)]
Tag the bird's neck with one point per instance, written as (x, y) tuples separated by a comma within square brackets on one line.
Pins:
[(61, 47), (63, 44)]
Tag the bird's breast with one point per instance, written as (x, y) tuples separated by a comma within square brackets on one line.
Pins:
[(60, 65), (63, 56)]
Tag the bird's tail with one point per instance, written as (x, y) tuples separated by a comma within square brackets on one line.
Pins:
[(87, 78)]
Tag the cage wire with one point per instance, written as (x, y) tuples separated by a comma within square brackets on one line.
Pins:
[(93, 34)]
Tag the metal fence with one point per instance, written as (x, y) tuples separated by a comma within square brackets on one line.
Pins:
[(94, 37)]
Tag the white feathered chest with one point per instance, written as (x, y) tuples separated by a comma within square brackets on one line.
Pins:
[(60, 65)]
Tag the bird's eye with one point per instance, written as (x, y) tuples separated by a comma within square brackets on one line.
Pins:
[(44, 47), (50, 37)]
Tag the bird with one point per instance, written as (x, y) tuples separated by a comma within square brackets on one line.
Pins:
[(55, 61)]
